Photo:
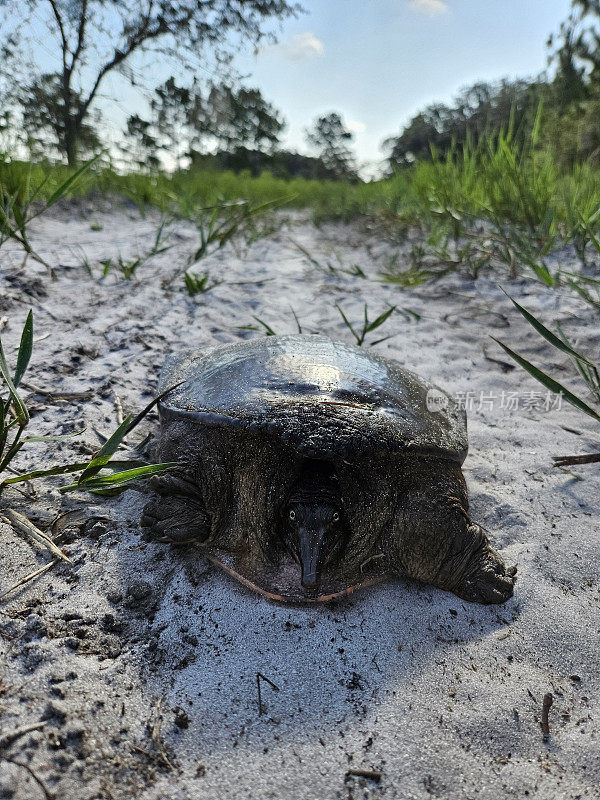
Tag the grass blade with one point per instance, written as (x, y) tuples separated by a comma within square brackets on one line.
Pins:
[(108, 449), (117, 478), (268, 329), (347, 323), (548, 382), (24, 526), (66, 185), (298, 325), (19, 406), (554, 340), (371, 326), (45, 473), (12, 451), (58, 438), (25, 349), (111, 445)]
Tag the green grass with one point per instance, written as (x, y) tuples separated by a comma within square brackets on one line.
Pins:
[(103, 474), (190, 191), (587, 369), (496, 203), (196, 283)]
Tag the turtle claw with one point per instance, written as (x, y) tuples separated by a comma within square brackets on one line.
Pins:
[(169, 485), (175, 519), (487, 579)]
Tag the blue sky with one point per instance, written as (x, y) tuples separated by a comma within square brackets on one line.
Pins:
[(380, 61), (376, 61)]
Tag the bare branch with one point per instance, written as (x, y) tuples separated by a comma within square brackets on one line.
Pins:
[(80, 34), (144, 33), (63, 36)]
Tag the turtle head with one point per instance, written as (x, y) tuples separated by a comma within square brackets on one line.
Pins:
[(314, 530)]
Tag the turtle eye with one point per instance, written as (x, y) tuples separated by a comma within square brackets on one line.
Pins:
[(292, 515), (336, 516)]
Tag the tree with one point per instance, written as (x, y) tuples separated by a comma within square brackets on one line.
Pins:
[(477, 109), (181, 122), (171, 108), (584, 26), (96, 38), (146, 146), (43, 118), (330, 137), (569, 79), (241, 117), (572, 128)]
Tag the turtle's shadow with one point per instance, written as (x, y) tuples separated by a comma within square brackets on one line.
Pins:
[(210, 637)]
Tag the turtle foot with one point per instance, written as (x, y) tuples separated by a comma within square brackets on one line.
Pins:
[(177, 515), (487, 579)]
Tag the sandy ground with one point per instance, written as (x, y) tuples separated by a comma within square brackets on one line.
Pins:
[(141, 659)]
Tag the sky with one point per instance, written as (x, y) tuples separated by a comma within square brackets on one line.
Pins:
[(377, 62), (381, 61)]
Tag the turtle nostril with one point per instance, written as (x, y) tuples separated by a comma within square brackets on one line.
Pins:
[(309, 579)]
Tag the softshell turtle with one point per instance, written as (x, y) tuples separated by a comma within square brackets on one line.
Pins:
[(309, 468)]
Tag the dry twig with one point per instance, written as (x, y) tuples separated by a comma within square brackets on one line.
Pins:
[(24, 526), (28, 578)]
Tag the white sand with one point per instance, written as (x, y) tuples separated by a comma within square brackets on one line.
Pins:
[(439, 697)]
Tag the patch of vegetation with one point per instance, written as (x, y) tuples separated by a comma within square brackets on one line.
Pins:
[(126, 267), (328, 267), (102, 474), (587, 369), (199, 284), (26, 192), (218, 224), (367, 326)]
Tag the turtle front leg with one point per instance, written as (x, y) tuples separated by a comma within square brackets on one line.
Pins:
[(434, 540), (178, 514), (475, 571)]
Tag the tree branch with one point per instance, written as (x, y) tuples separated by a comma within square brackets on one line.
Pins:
[(80, 34), (63, 36), (144, 33)]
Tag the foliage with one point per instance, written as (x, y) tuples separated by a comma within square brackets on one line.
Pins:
[(101, 474), (219, 224), (501, 202), (477, 110), (17, 198), (93, 39), (330, 137), (586, 368), (126, 266), (328, 266), (43, 119), (14, 416), (278, 163), (199, 284), (183, 120), (367, 326), (240, 117)]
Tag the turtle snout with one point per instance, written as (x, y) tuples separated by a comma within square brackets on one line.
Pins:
[(310, 541)]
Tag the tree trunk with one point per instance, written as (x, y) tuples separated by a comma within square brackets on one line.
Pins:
[(69, 143)]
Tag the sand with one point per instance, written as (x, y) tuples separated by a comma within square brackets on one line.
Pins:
[(141, 659)]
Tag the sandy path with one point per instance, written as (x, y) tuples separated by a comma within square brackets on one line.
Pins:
[(436, 697)]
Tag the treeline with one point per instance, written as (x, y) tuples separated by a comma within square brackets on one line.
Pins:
[(568, 93), (219, 123), (223, 124), (232, 127)]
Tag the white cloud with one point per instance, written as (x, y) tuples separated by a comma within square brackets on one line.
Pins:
[(300, 46), (356, 126), (432, 8)]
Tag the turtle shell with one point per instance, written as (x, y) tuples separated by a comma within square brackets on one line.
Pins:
[(325, 399)]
